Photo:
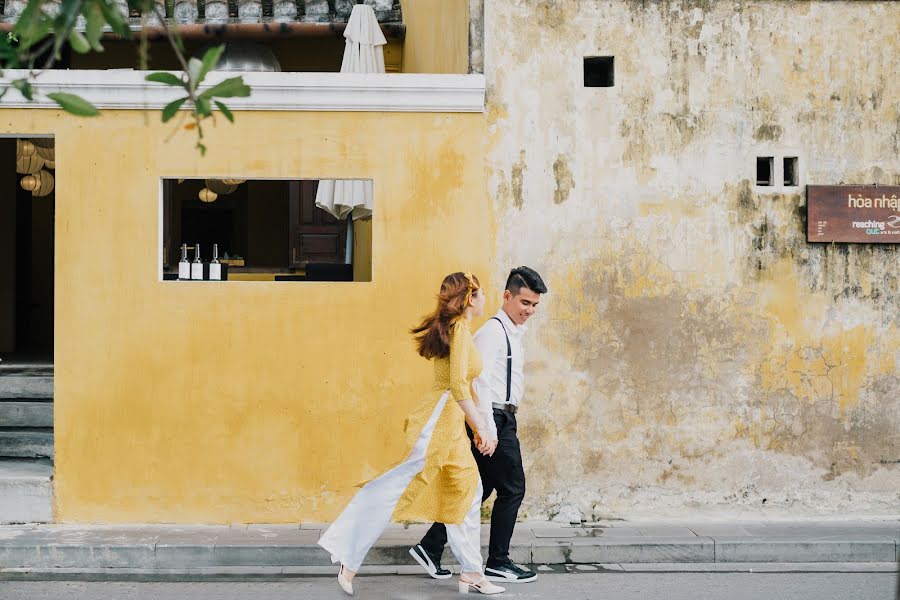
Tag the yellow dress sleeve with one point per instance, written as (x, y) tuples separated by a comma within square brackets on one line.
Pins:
[(460, 342)]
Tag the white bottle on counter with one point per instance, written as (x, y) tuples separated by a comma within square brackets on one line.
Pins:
[(215, 267), (197, 266), (184, 267)]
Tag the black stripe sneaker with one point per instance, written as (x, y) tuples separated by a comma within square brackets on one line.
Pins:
[(509, 572), (431, 564)]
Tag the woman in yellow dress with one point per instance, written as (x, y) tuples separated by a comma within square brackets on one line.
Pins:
[(438, 480)]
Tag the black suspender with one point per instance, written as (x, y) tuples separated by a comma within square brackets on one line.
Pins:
[(508, 360)]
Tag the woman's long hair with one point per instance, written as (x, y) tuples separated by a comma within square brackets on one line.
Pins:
[(433, 333)]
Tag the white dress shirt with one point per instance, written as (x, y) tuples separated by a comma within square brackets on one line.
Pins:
[(490, 386)]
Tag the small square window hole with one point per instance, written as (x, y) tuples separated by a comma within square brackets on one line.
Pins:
[(599, 71), (764, 167), (790, 171)]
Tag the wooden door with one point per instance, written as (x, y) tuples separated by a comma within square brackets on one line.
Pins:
[(316, 236)]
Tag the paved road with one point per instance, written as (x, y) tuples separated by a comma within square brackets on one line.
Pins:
[(618, 586)]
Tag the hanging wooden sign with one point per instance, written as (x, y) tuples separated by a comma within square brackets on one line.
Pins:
[(853, 213)]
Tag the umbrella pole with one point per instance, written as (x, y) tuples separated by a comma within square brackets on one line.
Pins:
[(348, 254)]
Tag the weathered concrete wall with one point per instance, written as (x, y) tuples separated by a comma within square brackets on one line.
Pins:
[(695, 352)]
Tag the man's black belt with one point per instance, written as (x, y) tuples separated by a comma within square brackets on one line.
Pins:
[(510, 408)]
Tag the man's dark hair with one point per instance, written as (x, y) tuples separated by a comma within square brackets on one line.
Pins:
[(524, 277)]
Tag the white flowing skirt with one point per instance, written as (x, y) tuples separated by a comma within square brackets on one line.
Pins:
[(351, 535)]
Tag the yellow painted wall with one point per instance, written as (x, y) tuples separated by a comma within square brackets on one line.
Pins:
[(251, 401), (437, 36)]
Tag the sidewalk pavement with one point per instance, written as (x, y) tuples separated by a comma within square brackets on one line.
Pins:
[(278, 549)]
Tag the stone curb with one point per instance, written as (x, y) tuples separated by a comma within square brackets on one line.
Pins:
[(157, 554)]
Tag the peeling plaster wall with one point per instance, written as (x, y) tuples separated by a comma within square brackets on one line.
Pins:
[(695, 353)]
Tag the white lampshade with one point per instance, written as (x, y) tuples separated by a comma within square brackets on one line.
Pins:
[(207, 195)]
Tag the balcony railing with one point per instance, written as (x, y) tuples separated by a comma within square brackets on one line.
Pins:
[(216, 12)]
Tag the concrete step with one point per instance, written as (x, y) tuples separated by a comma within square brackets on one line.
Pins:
[(26, 491), (26, 443), (15, 413), (17, 386)]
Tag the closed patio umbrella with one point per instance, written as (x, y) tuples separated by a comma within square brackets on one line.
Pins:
[(363, 53)]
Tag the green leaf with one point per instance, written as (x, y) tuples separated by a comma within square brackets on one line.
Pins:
[(193, 71), (79, 43), (64, 23), (75, 105), (32, 26), (68, 12), (203, 107), (114, 17), (225, 111), (166, 78), (171, 108), (94, 29), (210, 60), (233, 87), (24, 86)]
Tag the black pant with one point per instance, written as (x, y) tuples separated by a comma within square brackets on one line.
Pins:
[(502, 472)]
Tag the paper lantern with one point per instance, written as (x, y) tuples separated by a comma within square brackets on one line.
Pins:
[(45, 147), (29, 165), (207, 195), (24, 148), (45, 183), (29, 183), (233, 181), (220, 187), (50, 164), (46, 153)]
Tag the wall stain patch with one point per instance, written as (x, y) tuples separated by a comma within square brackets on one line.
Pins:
[(564, 180)]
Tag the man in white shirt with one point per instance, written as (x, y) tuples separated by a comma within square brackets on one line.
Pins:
[(498, 391)]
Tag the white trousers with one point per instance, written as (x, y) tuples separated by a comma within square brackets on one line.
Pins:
[(351, 535)]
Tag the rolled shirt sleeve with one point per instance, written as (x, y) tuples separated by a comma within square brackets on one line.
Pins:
[(491, 344)]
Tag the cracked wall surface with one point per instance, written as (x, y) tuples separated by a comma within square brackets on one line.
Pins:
[(695, 352)]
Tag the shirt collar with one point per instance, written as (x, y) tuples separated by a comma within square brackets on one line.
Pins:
[(510, 326)]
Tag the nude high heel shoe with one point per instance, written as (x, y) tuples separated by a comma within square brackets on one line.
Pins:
[(482, 586), (345, 584)]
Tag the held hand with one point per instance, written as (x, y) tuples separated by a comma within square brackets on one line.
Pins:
[(490, 447), (480, 444), (486, 447)]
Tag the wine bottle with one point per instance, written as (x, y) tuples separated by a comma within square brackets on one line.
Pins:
[(184, 267), (197, 265), (215, 268)]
